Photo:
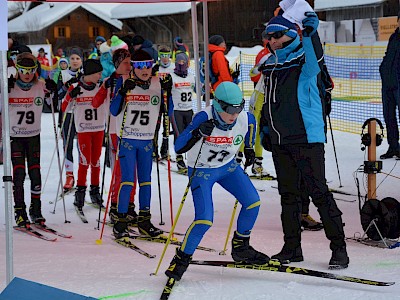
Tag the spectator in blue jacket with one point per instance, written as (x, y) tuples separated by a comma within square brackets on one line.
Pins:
[(389, 70), (295, 118)]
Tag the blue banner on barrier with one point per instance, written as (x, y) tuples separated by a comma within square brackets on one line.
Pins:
[(22, 289)]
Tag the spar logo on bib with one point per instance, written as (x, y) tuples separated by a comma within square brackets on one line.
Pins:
[(220, 139), (138, 98), (38, 101), (155, 100), (238, 140)]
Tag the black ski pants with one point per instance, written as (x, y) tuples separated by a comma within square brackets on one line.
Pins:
[(296, 163)]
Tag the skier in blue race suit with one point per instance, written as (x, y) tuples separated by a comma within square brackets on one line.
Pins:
[(211, 141), (137, 104)]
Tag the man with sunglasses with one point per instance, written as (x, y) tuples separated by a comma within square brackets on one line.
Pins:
[(293, 118), (211, 141), (136, 103)]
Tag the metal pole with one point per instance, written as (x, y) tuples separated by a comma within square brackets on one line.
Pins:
[(7, 178), (195, 33), (206, 58)]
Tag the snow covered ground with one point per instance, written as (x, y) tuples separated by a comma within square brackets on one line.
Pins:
[(81, 266)]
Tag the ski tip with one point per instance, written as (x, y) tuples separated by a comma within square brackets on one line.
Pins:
[(99, 242)]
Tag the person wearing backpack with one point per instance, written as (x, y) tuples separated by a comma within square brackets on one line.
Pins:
[(219, 63)]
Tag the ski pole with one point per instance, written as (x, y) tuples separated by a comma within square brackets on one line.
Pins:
[(223, 252), (65, 151), (59, 161), (107, 143), (179, 209), (166, 124), (100, 240), (48, 172), (334, 151), (158, 166)]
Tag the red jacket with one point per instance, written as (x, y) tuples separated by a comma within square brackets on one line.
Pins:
[(260, 55), (219, 65)]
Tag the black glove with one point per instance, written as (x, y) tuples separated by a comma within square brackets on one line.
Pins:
[(328, 103), (166, 82), (204, 129), (11, 83), (250, 155), (129, 84), (155, 69), (235, 74), (51, 85), (75, 92), (71, 82)]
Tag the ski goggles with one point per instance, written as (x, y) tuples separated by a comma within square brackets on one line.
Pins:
[(148, 64), (26, 70), (276, 35), (231, 108), (164, 54)]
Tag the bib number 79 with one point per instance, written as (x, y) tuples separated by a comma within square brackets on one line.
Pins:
[(29, 116)]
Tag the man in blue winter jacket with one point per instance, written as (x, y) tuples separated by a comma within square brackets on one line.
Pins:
[(293, 124)]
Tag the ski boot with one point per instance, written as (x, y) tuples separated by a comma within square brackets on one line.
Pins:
[(80, 196), (308, 223), (164, 148), (21, 218), (339, 259), (257, 168), (145, 226), (288, 255), (178, 265), (35, 212), (113, 213), (244, 253), (69, 182), (132, 217), (181, 164), (95, 196), (120, 229)]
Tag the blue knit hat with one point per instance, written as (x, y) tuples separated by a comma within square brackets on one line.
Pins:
[(279, 23)]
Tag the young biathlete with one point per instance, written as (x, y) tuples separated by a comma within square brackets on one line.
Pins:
[(137, 104), (90, 125), (66, 120), (211, 141), (26, 99), (164, 53), (182, 92), (122, 63)]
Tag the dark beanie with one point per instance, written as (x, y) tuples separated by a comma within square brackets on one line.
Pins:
[(92, 66), (119, 55), (27, 60), (137, 40), (216, 40), (141, 55), (279, 23), (76, 51)]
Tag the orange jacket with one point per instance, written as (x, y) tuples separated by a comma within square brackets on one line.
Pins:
[(219, 65)]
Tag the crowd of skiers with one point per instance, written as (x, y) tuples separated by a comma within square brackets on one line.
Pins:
[(127, 91)]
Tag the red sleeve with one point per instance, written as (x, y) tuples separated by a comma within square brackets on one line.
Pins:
[(67, 99), (100, 97)]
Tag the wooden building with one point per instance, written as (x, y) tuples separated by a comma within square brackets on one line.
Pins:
[(62, 25)]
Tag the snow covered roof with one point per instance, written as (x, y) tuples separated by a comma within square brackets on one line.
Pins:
[(330, 5), (128, 11), (46, 14)]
